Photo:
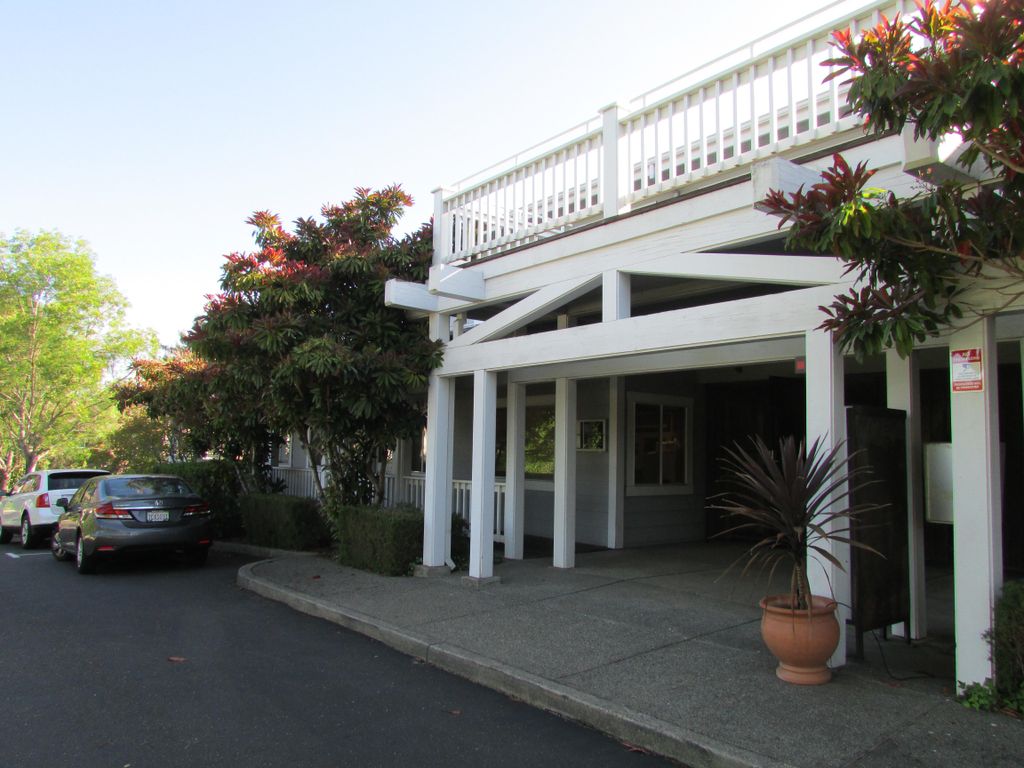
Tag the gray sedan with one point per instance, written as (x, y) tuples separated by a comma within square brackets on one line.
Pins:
[(119, 513)]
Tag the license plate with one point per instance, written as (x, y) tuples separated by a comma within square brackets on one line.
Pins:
[(158, 517)]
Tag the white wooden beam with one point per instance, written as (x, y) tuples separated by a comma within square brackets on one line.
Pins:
[(779, 269), (763, 317), (936, 161), (779, 174), (717, 356), (406, 295), (456, 283), (526, 310), (615, 295)]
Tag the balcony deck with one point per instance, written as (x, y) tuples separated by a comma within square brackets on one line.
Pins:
[(756, 101)]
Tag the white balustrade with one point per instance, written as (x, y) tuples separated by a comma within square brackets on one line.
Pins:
[(297, 482), (300, 482), (755, 101)]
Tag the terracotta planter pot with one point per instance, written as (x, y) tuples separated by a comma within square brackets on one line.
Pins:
[(802, 641)]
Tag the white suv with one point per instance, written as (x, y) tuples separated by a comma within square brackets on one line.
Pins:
[(32, 506)]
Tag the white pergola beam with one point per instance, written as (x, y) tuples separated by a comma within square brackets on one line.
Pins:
[(779, 174), (778, 269), (406, 295), (456, 283), (526, 310), (764, 317)]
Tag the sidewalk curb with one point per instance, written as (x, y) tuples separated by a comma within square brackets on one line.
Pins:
[(692, 749)]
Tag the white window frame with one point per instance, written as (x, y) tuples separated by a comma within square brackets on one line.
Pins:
[(657, 489)]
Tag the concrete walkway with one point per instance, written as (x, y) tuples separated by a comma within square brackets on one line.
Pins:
[(650, 646)]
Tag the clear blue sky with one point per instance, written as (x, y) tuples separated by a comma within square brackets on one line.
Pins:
[(152, 130)]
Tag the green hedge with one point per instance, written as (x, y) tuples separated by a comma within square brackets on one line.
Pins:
[(217, 482), (381, 539), (1008, 642), (284, 522)]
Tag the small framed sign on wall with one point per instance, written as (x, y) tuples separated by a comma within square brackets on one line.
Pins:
[(590, 435)]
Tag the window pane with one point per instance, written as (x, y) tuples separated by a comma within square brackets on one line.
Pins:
[(539, 460), (647, 422), (673, 444)]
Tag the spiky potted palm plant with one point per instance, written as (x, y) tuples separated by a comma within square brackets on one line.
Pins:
[(799, 500)]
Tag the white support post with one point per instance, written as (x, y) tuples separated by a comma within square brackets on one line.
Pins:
[(481, 495), (826, 419), (442, 235), (515, 471), (903, 393), (977, 503), (615, 296), (565, 474), (616, 460), (612, 169), (437, 490)]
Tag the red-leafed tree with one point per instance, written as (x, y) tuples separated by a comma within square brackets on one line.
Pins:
[(953, 69), (300, 336)]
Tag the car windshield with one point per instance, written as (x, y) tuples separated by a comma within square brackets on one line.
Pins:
[(69, 481), (145, 486)]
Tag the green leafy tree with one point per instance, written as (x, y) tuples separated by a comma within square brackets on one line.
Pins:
[(135, 442), (62, 331), (205, 406), (300, 333), (954, 69)]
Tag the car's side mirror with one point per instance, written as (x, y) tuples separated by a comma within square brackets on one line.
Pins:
[(62, 503)]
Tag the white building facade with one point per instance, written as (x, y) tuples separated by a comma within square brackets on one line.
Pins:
[(616, 309)]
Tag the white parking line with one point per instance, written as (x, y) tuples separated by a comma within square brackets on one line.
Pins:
[(30, 554)]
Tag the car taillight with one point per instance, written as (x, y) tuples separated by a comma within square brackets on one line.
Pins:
[(196, 509), (43, 500), (108, 512)]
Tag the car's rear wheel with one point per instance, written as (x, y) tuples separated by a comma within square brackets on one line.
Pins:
[(28, 536), (59, 553), (6, 534), (83, 562)]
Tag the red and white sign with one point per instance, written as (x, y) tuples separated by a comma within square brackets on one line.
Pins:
[(965, 370)]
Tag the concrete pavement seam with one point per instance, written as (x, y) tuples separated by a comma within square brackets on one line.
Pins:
[(692, 749)]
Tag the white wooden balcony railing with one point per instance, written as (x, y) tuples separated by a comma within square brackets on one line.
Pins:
[(405, 490), (410, 490), (297, 482), (755, 101)]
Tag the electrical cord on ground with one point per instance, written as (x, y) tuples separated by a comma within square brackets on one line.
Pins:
[(885, 663)]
